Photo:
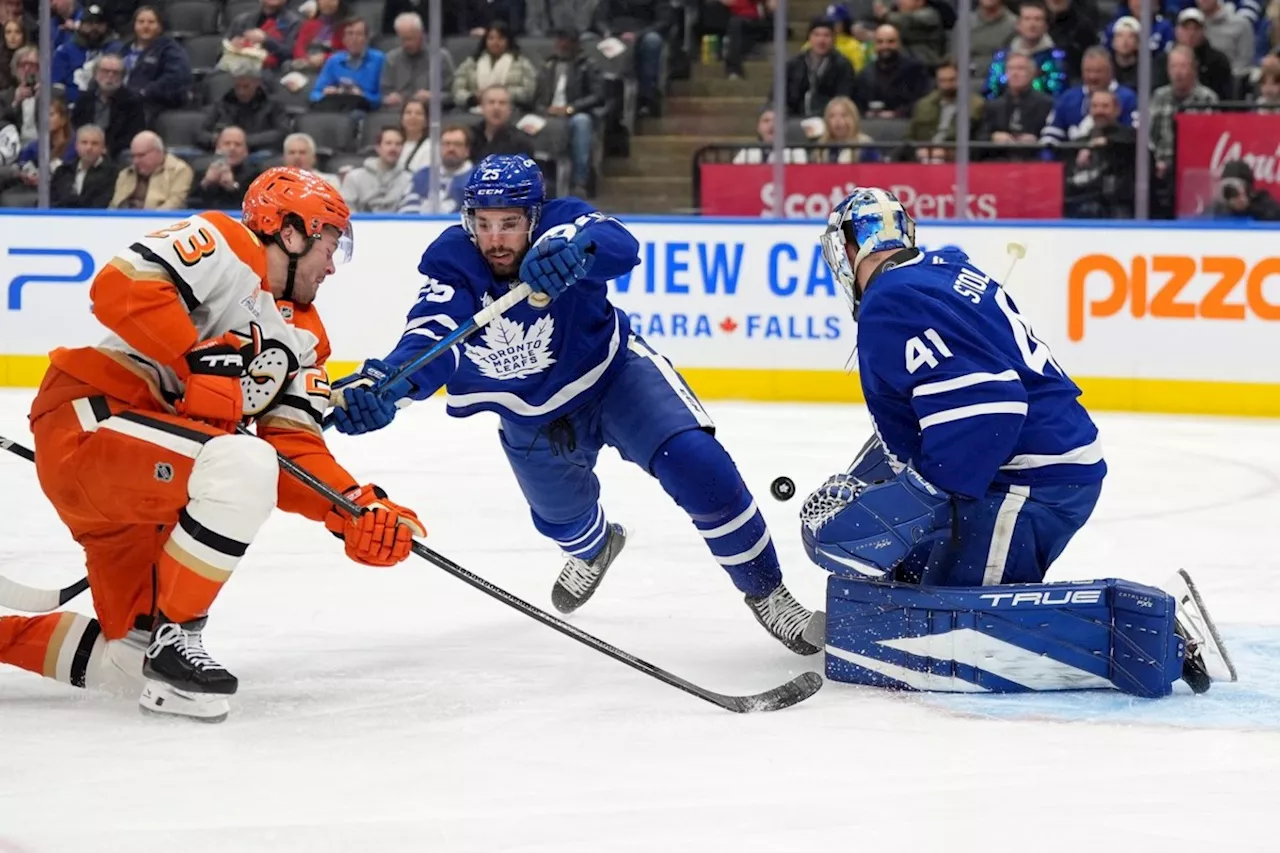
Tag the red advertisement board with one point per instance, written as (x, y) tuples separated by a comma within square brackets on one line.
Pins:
[(1207, 141), (996, 190)]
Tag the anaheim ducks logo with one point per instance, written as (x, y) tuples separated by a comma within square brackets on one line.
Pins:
[(270, 368)]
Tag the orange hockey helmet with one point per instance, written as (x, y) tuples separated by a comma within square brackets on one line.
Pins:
[(285, 195)]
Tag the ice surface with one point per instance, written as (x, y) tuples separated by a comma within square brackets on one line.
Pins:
[(400, 710)]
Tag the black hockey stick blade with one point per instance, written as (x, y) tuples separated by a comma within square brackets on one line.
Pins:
[(13, 447), (783, 696)]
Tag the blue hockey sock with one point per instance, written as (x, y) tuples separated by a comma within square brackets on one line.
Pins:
[(700, 476), (582, 537)]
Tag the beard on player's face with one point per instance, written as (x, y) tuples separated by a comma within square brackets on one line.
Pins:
[(504, 259)]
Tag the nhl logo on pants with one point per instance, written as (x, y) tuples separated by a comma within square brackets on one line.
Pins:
[(164, 472)]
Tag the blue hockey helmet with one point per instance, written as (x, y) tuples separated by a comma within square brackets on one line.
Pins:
[(504, 180), (870, 220)]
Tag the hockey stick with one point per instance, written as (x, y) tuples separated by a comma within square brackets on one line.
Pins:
[(479, 320), (784, 696), (30, 599)]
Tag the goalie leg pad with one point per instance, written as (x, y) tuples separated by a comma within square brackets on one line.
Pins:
[(1004, 639)]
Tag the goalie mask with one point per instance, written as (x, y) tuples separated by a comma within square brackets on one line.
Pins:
[(870, 220)]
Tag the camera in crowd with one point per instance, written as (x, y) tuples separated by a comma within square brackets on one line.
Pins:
[(1236, 197)]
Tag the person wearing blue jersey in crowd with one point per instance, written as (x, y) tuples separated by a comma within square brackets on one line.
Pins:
[(567, 376), (982, 467)]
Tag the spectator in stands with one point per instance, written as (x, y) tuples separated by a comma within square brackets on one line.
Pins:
[(888, 87), (1183, 91), (569, 89), (1161, 29), (497, 61), (62, 147), (991, 29), (1100, 180), (1072, 30), (247, 106), (1031, 39), (378, 185), (1125, 34), (273, 28), (300, 152), (545, 17), (818, 74), (72, 64), (847, 44), (90, 179), (64, 17), (154, 180), (228, 176), (320, 36), (1237, 198), (157, 69), (842, 128), (455, 168), (495, 134), (406, 74), (1073, 109), (762, 152), (1228, 32), (919, 27), (12, 10), (22, 99), (644, 26), (933, 118), (10, 147), (741, 24), (471, 17), (1018, 115), (14, 38), (1268, 96), (351, 79), (1213, 68), (416, 136), (110, 106)]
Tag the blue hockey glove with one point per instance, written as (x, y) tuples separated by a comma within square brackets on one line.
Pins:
[(364, 402), (555, 264), (852, 528)]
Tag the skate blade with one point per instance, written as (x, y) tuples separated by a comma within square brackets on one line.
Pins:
[(1194, 619), (815, 630), (166, 700)]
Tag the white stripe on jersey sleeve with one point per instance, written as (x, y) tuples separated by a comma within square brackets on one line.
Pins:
[(960, 413), (966, 381)]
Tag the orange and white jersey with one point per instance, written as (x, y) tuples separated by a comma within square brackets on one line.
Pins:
[(195, 280)]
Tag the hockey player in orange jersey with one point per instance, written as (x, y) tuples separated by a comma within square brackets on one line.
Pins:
[(136, 446)]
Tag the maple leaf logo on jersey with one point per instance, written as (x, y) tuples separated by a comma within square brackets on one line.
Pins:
[(512, 350)]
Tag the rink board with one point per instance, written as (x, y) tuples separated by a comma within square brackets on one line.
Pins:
[(1178, 318)]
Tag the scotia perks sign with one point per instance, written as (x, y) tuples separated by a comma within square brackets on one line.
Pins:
[(996, 190), (1208, 141)]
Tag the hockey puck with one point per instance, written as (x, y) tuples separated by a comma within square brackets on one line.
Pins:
[(783, 488)]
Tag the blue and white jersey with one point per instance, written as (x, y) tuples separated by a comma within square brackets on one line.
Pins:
[(529, 365), (1070, 119), (958, 386)]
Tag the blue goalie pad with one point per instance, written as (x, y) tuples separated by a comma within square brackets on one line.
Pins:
[(1013, 638)]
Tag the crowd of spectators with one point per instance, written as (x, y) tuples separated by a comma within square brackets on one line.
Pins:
[(1051, 80), (182, 103)]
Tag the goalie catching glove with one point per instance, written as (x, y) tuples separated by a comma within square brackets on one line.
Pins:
[(380, 536)]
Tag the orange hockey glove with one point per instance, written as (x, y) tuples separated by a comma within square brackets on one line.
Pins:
[(213, 395), (380, 536)]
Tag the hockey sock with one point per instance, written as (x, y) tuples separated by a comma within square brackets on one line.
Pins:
[(582, 537), (56, 645), (700, 476), (233, 490)]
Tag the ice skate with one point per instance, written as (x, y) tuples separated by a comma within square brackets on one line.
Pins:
[(784, 618), (579, 578), (1206, 658), (182, 679)]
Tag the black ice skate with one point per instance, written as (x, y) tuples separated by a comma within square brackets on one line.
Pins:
[(182, 678), (579, 578), (784, 618), (1206, 658)]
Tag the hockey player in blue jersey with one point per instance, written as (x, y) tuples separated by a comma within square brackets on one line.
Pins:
[(982, 468), (566, 375)]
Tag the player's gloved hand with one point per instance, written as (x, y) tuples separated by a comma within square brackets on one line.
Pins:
[(380, 536), (211, 372), (365, 401), (883, 523), (555, 264)]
